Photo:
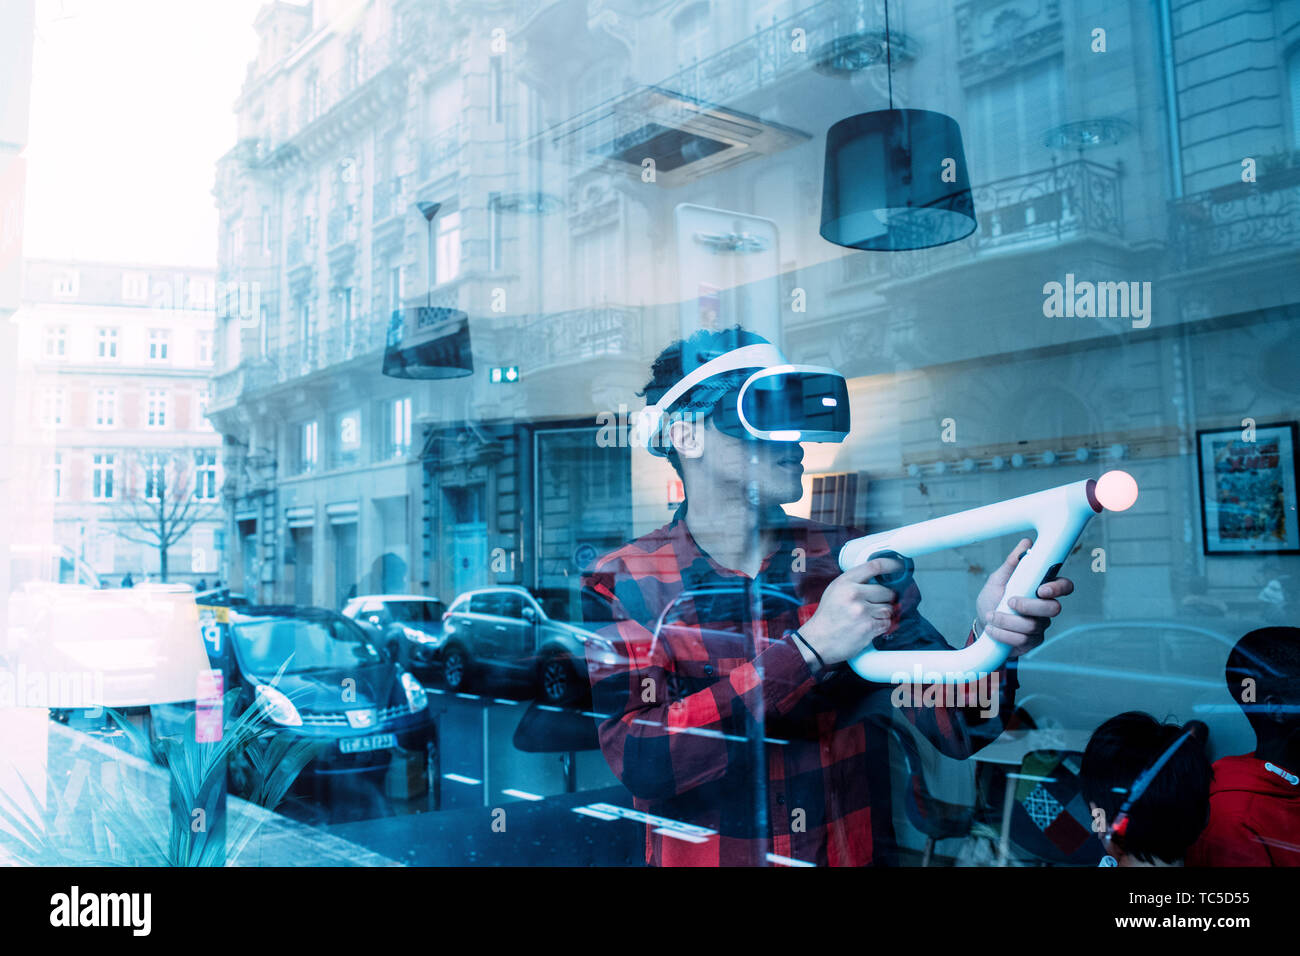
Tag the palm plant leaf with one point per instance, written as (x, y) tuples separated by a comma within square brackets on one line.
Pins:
[(119, 830)]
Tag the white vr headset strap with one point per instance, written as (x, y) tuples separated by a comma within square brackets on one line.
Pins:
[(762, 355)]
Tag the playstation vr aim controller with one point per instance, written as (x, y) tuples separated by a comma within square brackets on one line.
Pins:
[(1057, 516)]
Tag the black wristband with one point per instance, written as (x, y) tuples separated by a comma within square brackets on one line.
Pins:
[(804, 641)]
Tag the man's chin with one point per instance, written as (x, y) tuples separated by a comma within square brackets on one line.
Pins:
[(784, 496), (796, 488)]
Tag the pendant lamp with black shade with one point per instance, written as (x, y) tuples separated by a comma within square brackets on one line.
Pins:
[(896, 179), (428, 341)]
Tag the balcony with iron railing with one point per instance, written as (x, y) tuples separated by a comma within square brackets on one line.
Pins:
[(577, 336), (762, 60), (326, 349), (1076, 200), (362, 337), (1239, 222)]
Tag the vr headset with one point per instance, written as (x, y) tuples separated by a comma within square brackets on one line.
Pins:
[(777, 402)]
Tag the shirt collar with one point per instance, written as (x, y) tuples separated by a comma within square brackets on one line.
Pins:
[(700, 569)]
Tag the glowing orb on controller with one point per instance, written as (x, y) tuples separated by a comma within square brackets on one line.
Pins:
[(1116, 491)]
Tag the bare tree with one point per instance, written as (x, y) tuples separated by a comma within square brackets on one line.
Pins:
[(160, 502)]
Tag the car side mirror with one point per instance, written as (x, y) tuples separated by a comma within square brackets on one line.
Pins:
[(530, 615)]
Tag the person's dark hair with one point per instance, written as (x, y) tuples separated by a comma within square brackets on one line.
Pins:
[(1173, 810), (1269, 656), (683, 356)]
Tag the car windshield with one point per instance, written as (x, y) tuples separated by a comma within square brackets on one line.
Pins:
[(416, 612), (220, 599), (305, 645)]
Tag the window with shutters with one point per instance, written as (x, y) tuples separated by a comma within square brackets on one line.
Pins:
[(105, 408), (106, 344), (1007, 117), (103, 472), (156, 415), (835, 499), (158, 342), (56, 342), (205, 474)]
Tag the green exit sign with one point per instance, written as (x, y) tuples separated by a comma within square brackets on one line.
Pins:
[(504, 375)]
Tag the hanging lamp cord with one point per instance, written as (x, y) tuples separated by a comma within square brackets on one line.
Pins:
[(889, 57)]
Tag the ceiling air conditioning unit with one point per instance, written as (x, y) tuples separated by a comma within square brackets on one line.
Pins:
[(686, 138)]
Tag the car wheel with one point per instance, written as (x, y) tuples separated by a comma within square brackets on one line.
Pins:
[(455, 668), (557, 680)]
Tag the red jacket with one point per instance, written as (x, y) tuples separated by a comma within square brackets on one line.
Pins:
[(1254, 817)]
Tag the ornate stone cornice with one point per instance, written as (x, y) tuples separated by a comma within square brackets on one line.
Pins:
[(999, 35)]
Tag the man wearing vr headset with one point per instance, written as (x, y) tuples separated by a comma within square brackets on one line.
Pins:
[(730, 707)]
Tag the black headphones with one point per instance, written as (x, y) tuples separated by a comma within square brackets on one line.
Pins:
[(1119, 826)]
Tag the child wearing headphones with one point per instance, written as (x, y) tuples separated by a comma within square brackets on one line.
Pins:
[(1148, 785)]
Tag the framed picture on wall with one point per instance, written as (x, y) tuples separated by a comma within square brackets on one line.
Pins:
[(1248, 489)]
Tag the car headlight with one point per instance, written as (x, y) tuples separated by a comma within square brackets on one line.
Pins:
[(277, 707), (416, 698), (420, 637), (604, 649)]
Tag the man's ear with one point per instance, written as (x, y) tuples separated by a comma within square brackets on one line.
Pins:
[(687, 437)]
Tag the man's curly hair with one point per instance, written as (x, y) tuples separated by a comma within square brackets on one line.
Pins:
[(682, 357)]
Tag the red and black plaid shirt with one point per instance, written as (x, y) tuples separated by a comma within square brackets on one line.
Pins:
[(713, 721)]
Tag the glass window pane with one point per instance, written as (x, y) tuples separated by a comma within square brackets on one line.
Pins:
[(444, 341)]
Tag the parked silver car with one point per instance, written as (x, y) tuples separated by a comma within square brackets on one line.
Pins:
[(1172, 669), (513, 632), (408, 626)]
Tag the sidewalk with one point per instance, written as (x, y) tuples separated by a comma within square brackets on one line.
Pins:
[(89, 773), (543, 833)]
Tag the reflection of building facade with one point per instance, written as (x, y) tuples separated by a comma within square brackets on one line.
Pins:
[(531, 124), (347, 479), (116, 452), (340, 130)]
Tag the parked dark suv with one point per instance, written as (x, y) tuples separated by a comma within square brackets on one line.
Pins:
[(510, 631)]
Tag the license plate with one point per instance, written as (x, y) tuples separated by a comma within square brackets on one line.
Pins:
[(356, 745)]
